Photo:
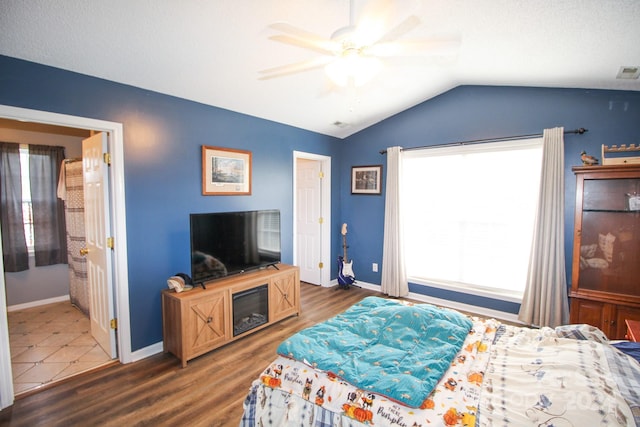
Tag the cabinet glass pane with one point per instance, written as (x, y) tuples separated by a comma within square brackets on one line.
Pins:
[(611, 194), (610, 251)]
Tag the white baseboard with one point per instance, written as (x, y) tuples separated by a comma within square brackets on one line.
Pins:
[(148, 351), (480, 311), (37, 303)]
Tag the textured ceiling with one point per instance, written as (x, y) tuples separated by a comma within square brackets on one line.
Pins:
[(212, 51)]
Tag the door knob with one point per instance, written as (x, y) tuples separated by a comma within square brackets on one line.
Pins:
[(84, 251)]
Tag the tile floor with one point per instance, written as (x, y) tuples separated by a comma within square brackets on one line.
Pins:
[(49, 343)]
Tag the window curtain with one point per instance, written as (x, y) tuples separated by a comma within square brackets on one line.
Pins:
[(14, 245), (50, 243), (544, 301), (394, 276)]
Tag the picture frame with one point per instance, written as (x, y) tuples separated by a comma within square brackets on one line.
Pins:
[(225, 171), (366, 179)]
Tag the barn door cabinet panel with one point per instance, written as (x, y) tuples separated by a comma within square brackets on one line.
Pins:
[(605, 288), (200, 320), (284, 296)]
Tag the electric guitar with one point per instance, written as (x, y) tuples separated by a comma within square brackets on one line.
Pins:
[(345, 267)]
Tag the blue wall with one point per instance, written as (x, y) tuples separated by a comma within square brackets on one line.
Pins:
[(477, 112), (163, 136)]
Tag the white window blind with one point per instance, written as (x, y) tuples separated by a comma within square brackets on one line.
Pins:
[(268, 231), (468, 215), (27, 211)]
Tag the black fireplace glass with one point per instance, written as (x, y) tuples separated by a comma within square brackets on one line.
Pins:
[(250, 309)]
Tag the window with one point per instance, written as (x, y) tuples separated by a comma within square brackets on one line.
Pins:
[(269, 231), (27, 210), (35, 225), (468, 216)]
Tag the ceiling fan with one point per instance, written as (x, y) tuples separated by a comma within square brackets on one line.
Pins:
[(354, 54)]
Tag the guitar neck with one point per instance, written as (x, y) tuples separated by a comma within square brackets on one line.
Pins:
[(344, 247)]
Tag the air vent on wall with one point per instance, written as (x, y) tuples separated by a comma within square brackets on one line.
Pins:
[(628, 72)]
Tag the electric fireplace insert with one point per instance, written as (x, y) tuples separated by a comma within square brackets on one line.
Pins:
[(250, 309)]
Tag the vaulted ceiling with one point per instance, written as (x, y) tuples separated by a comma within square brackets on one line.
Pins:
[(213, 51)]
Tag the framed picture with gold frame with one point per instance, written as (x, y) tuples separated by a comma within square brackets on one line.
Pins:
[(225, 171), (366, 179)]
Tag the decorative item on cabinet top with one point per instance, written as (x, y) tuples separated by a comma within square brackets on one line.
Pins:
[(621, 154), (180, 282), (587, 159)]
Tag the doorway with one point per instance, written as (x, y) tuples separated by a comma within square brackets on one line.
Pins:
[(312, 217), (117, 211)]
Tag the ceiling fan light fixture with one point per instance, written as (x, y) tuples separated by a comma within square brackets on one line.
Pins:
[(353, 67)]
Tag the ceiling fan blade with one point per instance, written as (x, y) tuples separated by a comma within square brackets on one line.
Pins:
[(400, 30), (324, 47), (372, 21), (304, 36), (414, 47), (296, 67), (296, 32)]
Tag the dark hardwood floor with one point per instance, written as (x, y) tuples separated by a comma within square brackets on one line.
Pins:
[(156, 391)]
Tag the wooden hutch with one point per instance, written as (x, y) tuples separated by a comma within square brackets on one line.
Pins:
[(605, 289)]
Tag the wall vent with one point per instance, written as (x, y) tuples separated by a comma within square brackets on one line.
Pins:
[(628, 72)]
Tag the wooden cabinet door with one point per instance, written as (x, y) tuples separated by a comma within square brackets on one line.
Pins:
[(206, 323), (623, 313), (595, 313), (283, 296)]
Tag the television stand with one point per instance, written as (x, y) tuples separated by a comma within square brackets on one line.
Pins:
[(197, 321)]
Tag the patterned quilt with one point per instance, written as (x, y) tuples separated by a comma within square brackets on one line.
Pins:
[(539, 378), (384, 346), (502, 375), (290, 393)]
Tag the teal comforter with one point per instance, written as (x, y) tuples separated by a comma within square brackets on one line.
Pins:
[(384, 346)]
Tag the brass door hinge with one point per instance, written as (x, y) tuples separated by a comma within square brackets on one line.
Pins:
[(320, 220), (114, 323), (320, 265), (110, 242), (320, 175), (107, 158)]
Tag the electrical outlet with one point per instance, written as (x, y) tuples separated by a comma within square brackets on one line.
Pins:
[(374, 267)]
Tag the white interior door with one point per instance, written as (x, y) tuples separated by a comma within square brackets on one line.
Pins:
[(97, 253), (309, 219)]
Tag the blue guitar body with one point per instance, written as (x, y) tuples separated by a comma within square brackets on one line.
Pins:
[(344, 279)]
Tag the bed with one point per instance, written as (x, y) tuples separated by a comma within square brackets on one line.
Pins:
[(385, 362)]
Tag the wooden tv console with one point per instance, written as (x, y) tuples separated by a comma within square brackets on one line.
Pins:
[(197, 321)]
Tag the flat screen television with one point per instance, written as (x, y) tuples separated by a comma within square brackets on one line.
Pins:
[(227, 243)]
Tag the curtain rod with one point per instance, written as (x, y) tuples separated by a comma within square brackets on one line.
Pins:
[(578, 131)]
